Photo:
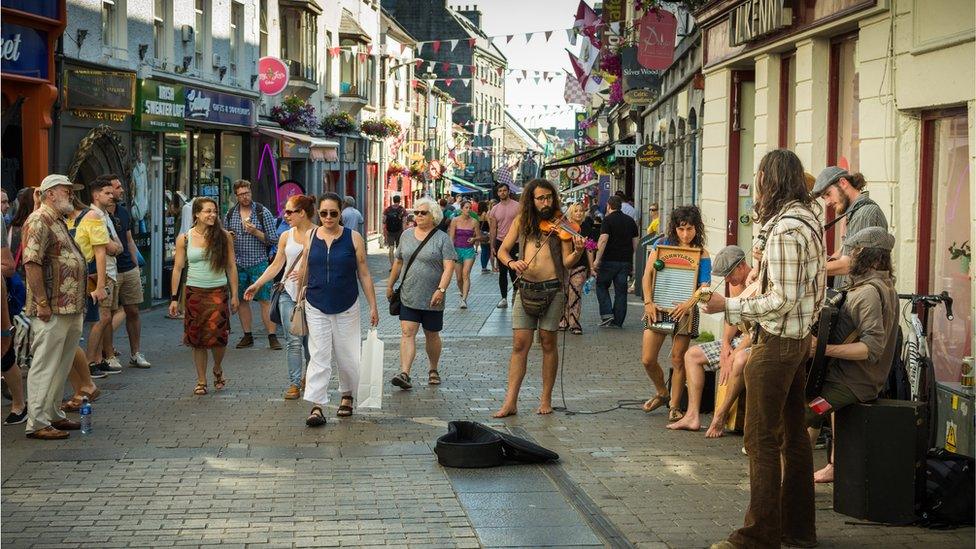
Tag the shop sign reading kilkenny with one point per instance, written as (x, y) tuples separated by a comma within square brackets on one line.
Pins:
[(160, 107), (757, 18)]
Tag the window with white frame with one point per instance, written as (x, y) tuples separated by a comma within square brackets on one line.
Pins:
[(162, 11), (263, 28), (236, 35), (299, 42), (201, 42), (328, 63), (111, 10)]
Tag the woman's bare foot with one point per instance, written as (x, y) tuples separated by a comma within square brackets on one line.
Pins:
[(544, 408), (825, 475), (505, 411), (717, 428), (687, 423)]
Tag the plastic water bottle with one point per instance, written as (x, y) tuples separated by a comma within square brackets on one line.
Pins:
[(86, 416), (587, 286)]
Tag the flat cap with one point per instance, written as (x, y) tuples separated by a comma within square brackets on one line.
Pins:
[(827, 177), (727, 259), (57, 180), (871, 237)]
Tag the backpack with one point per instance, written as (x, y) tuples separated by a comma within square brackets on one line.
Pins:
[(949, 490), (393, 219), (259, 213)]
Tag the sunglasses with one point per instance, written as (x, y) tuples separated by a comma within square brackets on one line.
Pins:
[(290, 212), (421, 212), (328, 213), (654, 210)]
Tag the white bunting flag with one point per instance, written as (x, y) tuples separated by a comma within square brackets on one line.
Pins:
[(453, 44)]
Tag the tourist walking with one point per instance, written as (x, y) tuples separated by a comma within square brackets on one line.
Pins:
[(334, 268), (299, 212), (792, 273), (393, 226), (351, 217), (500, 220), (252, 226), (614, 263), (129, 277), (578, 273), (464, 231), (485, 243), (207, 252), (56, 291), (427, 258)]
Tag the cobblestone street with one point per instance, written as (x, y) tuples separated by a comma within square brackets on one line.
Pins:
[(239, 467)]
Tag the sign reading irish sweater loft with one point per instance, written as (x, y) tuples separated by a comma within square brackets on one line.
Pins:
[(23, 51), (160, 107), (756, 18), (221, 108), (103, 91)]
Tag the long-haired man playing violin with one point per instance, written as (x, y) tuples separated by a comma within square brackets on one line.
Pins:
[(544, 260)]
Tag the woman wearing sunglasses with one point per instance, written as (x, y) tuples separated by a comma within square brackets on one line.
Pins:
[(423, 288), (334, 266), (298, 213)]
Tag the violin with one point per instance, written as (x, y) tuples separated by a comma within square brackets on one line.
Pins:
[(561, 226)]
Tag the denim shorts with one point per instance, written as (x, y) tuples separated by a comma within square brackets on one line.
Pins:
[(431, 321)]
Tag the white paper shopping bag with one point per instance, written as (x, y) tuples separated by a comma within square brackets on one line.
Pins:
[(370, 392)]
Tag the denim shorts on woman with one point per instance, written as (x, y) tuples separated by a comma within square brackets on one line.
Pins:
[(431, 321)]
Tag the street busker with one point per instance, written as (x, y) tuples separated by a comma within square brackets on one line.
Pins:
[(546, 255), (686, 230), (792, 276)]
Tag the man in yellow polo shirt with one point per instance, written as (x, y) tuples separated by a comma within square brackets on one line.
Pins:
[(655, 224)]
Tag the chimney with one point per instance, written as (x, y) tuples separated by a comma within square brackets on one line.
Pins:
[(473, 14)]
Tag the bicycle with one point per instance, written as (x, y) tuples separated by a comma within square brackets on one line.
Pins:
[(918, 361)]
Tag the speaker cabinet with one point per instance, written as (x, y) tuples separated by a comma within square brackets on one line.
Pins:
[(879, 469)]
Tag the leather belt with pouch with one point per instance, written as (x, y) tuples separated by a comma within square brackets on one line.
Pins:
[(537, 296)]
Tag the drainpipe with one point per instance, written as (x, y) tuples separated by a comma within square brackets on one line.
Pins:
[(54, 159)]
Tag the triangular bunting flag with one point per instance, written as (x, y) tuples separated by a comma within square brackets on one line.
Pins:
[(346, 55), (509, 38), (471, 68), (571, 36), (362, 57), (403, 48), (445, 66), (334, 51), (545, 75), (414, 83), (460, 68), (472, 42), (525, 73), (431, 66), (369, 49), (528, 36), (437, 46), (448, 81), (417, 63), (548, 35), (536, 79), (500, 70), (466, 82)]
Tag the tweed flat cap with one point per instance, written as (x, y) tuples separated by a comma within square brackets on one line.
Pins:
[(871, 237), (827, 177), (727, 259)]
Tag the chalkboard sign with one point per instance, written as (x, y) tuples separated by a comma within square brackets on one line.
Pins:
[(678, 280)]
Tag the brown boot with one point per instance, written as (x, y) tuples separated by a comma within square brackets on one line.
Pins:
[(246, 341), (273, 342), (292, 393)]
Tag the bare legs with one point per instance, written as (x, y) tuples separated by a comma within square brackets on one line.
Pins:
[(97, 334), (464, 278), (408, 346), (826, 474), (15, 382), (79, 375), (694, 362), (244, 313), (736, 383), (650, 347), (521, 343), (679, 346), (200, 362)]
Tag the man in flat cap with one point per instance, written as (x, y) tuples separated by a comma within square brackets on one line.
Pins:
[(844, 192), (730, 353), (868, 328)]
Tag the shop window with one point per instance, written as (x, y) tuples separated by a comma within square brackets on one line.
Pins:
[(370, 79), (114, 27), (351, 77), (843, 104), (236, 35), (162, 23), (945, 229), (328, 64), (263, 28), (299, 37), (201, 42)]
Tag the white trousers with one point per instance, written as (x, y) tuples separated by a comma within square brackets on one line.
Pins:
[(53, 350), (332, 337)]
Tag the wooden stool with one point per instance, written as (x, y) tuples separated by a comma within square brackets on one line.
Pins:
[(735, 423)]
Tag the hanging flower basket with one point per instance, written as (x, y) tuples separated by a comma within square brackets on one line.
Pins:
[(418, 169), (397, 169), (338, 122), (381, 128), (295, 114)]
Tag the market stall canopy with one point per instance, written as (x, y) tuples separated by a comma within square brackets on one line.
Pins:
[(578, 188), (464, 184), (319, 148)]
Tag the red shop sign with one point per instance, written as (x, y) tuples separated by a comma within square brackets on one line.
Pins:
[(655, 49), (272, 75)]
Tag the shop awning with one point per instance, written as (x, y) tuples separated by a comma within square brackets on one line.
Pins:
[(464, 183), (587, 156), (319, 148), (579, 187)]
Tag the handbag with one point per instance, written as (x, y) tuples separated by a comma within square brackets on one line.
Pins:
[(299, 324), (279, 287), (395, 298)]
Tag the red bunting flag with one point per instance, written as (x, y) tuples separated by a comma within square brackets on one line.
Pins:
[(445, 66), (361, 57), (499, 70), (471, 42), (448, 81), (334, 51), (437, 46), (418, 62), (369, 49)]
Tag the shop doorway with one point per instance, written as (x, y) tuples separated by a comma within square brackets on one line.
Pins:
[(742, 115), (100, 152)]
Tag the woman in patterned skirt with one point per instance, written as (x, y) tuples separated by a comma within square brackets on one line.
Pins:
[(577, 276), (207, 250)]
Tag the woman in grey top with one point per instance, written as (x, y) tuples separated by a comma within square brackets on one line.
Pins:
[(422, 289)]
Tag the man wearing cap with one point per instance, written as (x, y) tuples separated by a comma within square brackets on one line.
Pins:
[(868, 326), (844, 192), (731, 264), (57, 277)]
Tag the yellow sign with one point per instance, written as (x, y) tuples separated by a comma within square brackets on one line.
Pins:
[(950, 441)]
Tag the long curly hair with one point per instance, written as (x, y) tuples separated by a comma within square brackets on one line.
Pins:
[(529, 217), (215, 236), (686, 215), (781, 182)]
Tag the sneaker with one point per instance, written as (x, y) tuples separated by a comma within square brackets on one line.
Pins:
[(503, 304), (464, 303), (606, 322), (273, 342), (95, 371), (139, 361), (110, 366), (246, 341), (402, 381), (14, 419), (483, 271)]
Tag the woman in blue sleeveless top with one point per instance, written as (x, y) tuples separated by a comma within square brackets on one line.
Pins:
[(335, 263), (685, 229)]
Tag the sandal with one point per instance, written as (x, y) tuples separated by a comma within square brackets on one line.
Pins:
[(219, 381), (74, 403), (315, 418), (200, 389), (402, 380), (674, 414), (655, 402), (433, 378), (345, 410)]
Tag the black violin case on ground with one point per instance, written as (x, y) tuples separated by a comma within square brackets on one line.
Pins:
[(469, 444)]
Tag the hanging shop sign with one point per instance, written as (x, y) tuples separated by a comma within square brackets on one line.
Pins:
[(625, 151), (655, 46), (272, 75), (650, 155), (100, 91), (295, 149), (220, 108), (23, 51), (580, 134), (160, 107), (641, 97), (757, 18), (637, 76)]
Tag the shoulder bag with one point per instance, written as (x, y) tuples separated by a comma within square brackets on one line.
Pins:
[(299, 324), (395, 298)]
